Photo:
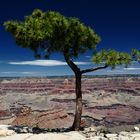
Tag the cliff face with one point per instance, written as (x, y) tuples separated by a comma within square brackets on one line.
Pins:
[(106, 101), (52, 118)]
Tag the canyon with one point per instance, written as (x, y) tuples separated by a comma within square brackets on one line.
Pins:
[(113, 102)]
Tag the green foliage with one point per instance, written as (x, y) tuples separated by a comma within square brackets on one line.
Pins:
[(50, 32), (136, 55), (112, 58)]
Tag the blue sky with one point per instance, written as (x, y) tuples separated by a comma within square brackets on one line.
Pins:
[(117, 22)]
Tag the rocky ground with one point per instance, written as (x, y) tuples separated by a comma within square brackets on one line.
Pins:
[(91, 133), (49, 103)]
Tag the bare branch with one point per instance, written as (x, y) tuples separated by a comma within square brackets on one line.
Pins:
[(93, 69)]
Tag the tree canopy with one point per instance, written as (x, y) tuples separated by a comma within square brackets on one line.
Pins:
[(53, 32), (136, 55), (112, 58)]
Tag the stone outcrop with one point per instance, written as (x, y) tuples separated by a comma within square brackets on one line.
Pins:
[(4, 131), (117, 114), (95, 133), (53, 118), (90, 133)]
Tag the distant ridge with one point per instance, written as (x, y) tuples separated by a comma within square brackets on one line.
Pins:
[(72, 76)]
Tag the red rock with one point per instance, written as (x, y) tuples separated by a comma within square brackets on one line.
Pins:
[(24, 111), (4, 113), (53, 118)]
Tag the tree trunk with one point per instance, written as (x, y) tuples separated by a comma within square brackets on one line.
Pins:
[(78, 111)]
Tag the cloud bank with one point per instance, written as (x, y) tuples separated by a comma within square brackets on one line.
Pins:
[(18, 72), (131, 68), (45, 63)]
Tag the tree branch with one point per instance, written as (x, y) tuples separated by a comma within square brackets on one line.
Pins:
[(71, 64), (93, 69)]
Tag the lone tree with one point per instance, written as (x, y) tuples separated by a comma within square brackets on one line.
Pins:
[(49, 32)]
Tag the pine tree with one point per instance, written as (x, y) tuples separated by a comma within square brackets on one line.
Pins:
[(50, 32)]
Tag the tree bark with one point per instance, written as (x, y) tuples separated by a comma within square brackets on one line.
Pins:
[(78, 111), (78, 75)]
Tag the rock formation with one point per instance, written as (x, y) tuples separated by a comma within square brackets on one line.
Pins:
[(53, 118)]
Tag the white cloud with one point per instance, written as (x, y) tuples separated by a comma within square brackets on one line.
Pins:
[(7, 72), (18, 72), (45, 63), (131, 68), (88, 56)]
